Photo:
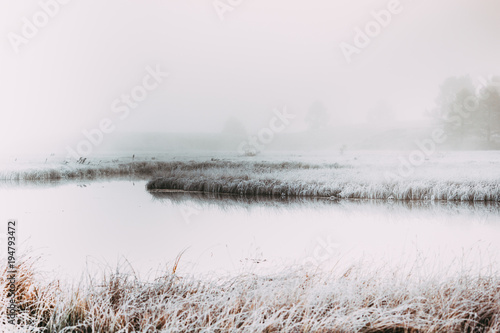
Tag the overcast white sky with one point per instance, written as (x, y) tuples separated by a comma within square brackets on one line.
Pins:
[(264, 54)]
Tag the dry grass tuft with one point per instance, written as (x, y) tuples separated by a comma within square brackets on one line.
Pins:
[(353, 300)]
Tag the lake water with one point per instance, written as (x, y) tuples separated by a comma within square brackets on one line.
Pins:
[(78, 226)]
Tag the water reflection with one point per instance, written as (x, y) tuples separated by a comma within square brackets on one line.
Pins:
[(72, 222), (226, 201)]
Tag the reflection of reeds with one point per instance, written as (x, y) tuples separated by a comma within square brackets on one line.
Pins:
[(225, 201), (347, 300)]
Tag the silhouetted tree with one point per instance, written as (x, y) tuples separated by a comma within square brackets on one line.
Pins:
[(487, 118), (465, 110), (452, 107)]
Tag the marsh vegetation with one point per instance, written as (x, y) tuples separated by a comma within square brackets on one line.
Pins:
[(361, 298)]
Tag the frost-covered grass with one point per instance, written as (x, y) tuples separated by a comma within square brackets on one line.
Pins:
[(138, 170), (451, 176), (331, 180), (352, 299)]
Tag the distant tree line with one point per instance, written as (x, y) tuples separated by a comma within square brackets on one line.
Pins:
[(467, 110)]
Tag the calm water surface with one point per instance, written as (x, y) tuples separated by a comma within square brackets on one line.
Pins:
[(79, 225)]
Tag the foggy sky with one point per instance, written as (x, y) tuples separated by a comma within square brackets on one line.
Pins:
[(264, 54)]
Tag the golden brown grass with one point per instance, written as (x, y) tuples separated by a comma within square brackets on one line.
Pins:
[(356, 299)]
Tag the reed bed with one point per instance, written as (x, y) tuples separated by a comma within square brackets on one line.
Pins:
[(143, 169), (356, 299), (466, 182), (338, 181)]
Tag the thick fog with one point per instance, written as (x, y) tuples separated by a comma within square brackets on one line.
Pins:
[(68, 66)]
